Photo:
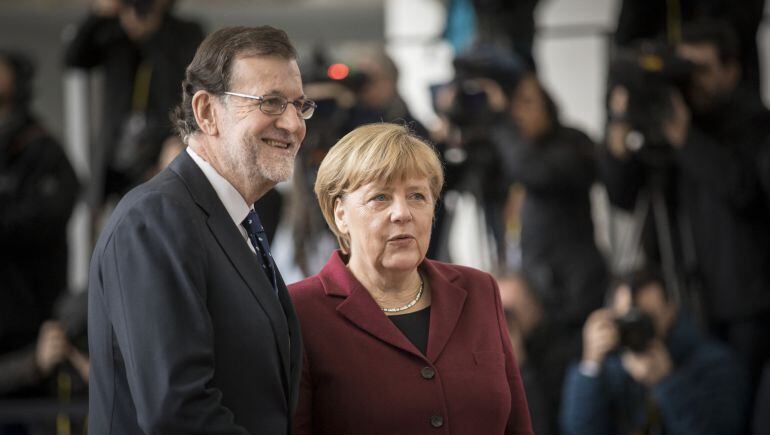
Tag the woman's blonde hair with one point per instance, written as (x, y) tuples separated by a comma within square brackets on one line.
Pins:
[(375, 152)]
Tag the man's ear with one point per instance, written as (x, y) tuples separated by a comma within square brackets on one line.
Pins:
[(205, 108), (340, 219)]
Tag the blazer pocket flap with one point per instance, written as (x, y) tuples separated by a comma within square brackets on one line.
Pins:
[(489, 358)]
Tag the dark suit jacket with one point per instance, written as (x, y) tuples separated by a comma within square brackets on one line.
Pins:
[(185, 332), (362, 375)]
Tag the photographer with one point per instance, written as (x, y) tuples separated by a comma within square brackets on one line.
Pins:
[(49, 371), (557, 166), (38, 189), (62, 339), (477, 161), (376, 94), (143, 50), (647, 369), (334, 96), (714, 131)]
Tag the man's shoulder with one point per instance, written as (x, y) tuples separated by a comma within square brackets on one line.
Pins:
[(712, 353), (166, 187), (165, 199)]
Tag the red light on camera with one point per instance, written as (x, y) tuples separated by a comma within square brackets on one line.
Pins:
[(338, 71)]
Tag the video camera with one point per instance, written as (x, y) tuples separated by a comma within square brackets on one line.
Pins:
[(650, 73), (471, 105)]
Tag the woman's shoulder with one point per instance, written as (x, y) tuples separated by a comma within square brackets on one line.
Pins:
[(308, 297), (306, 287)]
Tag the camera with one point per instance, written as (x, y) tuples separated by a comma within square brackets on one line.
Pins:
[(636, 330), (650, 73), (142, 7), (471, 105)]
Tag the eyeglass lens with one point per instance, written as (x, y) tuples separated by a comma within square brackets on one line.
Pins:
[(275, 105)]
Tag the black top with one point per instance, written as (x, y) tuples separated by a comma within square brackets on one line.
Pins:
[(38, 190), (415, 327)]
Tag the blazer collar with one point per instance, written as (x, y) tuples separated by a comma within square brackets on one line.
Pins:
[(230, 240), (447, 301)]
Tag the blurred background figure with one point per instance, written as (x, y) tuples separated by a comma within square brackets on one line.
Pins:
[(646, 368), (38, 189), (664, 19), (506, 24), (51, 370), (142, 48), (375, 84), (509, 24), (332, 86), (556, 165), (470, 221), (524, 314), (687, 138)]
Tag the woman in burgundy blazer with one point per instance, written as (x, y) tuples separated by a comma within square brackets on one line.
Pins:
[(396, 343)]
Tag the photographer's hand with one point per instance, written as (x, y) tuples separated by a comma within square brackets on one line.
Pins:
[(80, 361), (600, 336), (52, 347), (676, 127), (649, 367), (617, 130)]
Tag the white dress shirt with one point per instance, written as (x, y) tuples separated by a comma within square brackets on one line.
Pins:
[(234, 203)]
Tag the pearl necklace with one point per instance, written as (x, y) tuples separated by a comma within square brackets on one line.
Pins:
[(410, 304)]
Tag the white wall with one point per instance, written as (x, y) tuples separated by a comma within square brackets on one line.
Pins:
[(412, 33), (571, 54)]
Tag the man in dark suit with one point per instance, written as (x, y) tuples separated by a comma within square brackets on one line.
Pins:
[(191, 329)]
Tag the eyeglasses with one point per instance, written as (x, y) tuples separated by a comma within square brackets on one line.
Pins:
[(276, 104)]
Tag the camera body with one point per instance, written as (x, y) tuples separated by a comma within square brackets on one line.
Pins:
[(471, 106), (650, 73), (635, 330), (142, 7)]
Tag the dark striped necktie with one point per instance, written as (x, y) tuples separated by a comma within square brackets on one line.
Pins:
[(258, 239)]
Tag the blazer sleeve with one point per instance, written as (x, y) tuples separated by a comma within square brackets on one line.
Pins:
[(303, 417), (519, 420), (153, 269), (586, 404)]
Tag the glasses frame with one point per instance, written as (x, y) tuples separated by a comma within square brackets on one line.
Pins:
[(296, 103)]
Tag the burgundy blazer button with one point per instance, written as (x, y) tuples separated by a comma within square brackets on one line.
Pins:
[(427, 373), (437, 421)]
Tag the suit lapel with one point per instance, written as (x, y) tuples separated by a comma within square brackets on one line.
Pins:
[(292, 360), (447, 301), (236, 250), (248, 268), (359, 307)]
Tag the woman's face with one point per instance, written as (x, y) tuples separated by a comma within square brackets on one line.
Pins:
[(529, 108), (388, 225)]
